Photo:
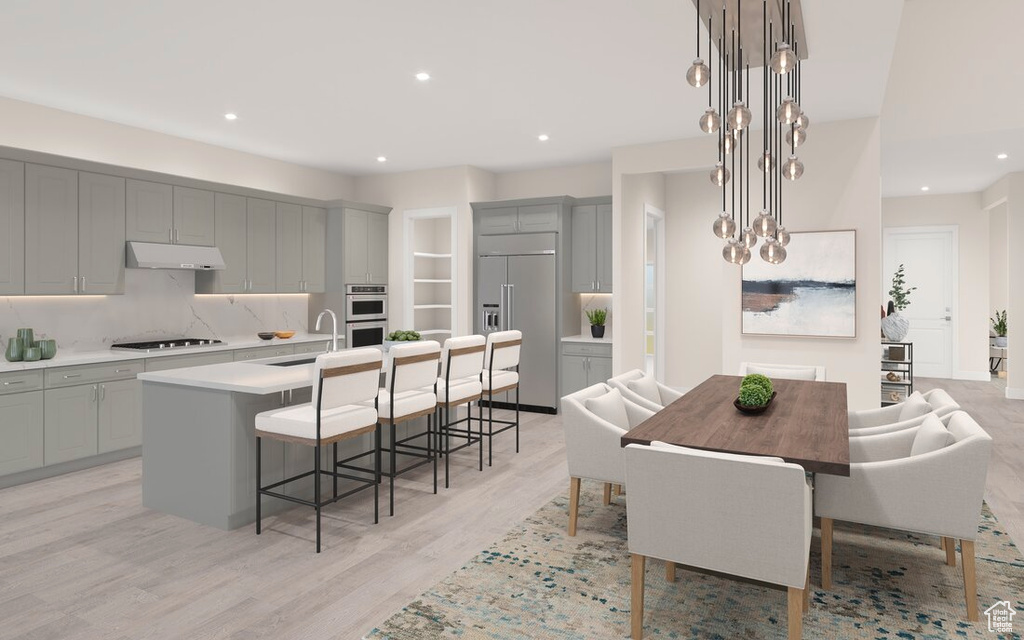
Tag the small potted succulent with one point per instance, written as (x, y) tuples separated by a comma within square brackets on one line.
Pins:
[(399, 336), (597, 318), (756, 393), (999, 326)]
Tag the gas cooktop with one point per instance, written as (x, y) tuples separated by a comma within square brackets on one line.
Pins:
[(165, 344)]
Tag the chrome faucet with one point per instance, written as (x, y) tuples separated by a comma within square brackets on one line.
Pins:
[(334, 328)]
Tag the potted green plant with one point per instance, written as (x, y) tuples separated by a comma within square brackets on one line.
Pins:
[(999, 326), (400, 336), (756, 393), (597, 318), (894, 325)]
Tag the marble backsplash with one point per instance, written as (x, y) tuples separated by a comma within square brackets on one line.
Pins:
[(156, 303), (590, 301)]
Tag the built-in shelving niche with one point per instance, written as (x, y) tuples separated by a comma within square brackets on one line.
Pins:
[(430, 273)]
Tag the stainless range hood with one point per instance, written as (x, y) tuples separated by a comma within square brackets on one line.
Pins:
[(152, 255)]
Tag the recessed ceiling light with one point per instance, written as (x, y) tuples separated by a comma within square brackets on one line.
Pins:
[(381, 159), (231, 116), (543, 137), (925, 188), (1002, 156), (423, 76)]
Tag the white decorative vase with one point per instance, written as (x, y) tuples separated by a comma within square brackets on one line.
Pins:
[(895, 327), (1001, 342)]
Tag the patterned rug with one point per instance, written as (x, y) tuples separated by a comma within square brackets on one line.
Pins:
[(539, 583)]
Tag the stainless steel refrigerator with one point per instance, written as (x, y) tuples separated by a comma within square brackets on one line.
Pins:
[(517, 288)]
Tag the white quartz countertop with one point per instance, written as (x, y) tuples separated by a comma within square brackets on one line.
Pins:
[(65, 358), (587, 339), (258, 378)]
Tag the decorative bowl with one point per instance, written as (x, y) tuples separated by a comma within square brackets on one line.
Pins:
[(284, 335), (265, 335), (754, 410)]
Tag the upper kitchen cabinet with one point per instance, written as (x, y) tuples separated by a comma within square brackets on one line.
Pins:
[(101, 220), (538, 218), (150, 212), (499, 220), (230, 221), (12, 227), (261, 245), (162, 213), (366, 246), (494, 218), (314, 245), (289, 248), (592, 246), (51, 230), (193, 216)]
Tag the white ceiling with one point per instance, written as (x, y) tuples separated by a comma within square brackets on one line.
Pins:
[(329, 83)]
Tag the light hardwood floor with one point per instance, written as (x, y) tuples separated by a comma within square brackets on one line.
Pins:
[(81, 558)]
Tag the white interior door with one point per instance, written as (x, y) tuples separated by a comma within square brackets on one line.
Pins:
[(929, 256)]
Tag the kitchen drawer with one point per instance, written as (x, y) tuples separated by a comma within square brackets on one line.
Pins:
[(586, 349), (17, 381), (255, 353), (191, 360), (320, 346), (88, 373)]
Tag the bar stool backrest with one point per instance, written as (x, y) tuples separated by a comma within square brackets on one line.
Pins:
[(413, 365), (502, 350), (462, 357), (346, 377)]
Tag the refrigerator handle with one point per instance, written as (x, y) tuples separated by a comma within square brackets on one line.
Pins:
[(511, 305), (501, 308)]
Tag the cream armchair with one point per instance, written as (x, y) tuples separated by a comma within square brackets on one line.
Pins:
[(745, 516), (642, 389), (784, 371), (909, 413), (595, 420), (926, 479)]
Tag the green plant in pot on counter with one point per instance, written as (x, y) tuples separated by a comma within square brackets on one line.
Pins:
[(403, 336), (596, 318), (755, 390), (999, 326)]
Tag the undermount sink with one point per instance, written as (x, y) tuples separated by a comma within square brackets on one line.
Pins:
[(292, 363)]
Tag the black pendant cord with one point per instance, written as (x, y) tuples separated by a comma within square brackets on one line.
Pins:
[(711, 57), (698, 31), (746, 159)]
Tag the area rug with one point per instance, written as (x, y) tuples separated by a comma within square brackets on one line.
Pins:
[(538, 583)]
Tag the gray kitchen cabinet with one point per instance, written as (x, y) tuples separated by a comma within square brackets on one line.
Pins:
[(101, 235), (230, 224), (519, 219), (21, 432), (499, 221), (314, 249), (256, 353), (604, 248), (538, 218), (574, 374), (164, 363), (119, 418), (592, 248), (149, 211), (584, 364), (289, 248), (51, 230), (366, 247), (12, 229), (70, 419), (316, 348), (261, 245), (193, 216), (598, 370)]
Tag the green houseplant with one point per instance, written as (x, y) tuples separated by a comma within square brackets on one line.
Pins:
[(894, 325), (999, 326), (597, 318), (756, 393), (399, 336)]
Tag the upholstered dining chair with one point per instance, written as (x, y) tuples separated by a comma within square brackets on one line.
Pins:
[(927, 479), (909, 413), (595, 420), (642, 389), (745, 516), (784, 371)]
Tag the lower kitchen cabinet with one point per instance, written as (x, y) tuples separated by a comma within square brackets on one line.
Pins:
[(21, 432), (119, 424), (584, 365), (70, 419)]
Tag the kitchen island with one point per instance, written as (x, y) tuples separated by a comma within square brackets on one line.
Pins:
[(199, 442)]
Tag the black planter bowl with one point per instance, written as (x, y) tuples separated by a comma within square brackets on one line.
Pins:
[(597, 330), (742, 408), (265, 335)]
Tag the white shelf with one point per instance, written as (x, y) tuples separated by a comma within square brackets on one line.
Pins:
[(441, 256), (431, 306), (433, 332), (432, 281)]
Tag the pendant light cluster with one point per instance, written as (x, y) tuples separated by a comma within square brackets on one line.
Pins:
[(785, 129)]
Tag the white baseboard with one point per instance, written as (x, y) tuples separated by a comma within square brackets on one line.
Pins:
[(1014, 394), (978, 376)]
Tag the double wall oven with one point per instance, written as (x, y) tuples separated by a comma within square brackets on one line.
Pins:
[(366, 314)]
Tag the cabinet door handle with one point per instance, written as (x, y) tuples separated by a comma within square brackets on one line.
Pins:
[(122, 370), (598, 285), (68, 376), (83, 283), (95, 392), (175, 236), (7, 384), (170, 236), (103, 391), (75, 283)]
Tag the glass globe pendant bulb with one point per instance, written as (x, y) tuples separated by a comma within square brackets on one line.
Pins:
[(793, 168), (733, 252), (779, 254), (727, 143), (765, 162), (719, 175), (748, 238), (698, 74), (783, 60), (795, 137), (788, 111), (764, 224), (739, 116), (771, 250), (724, 227), (802, 122), (782, 236), (710, 121)]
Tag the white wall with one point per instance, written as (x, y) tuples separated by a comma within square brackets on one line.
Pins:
[(964, 211), (581, 181), (840, 190), (997, 247), (1008, 192), (634, 192), (29, 126)]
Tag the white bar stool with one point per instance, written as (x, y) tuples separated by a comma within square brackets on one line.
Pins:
[(462, 361), (500, 358)]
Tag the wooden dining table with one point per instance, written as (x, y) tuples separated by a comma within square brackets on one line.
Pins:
[(806, 424)]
